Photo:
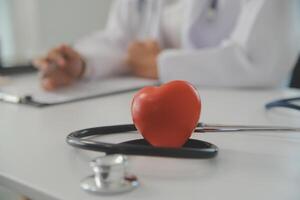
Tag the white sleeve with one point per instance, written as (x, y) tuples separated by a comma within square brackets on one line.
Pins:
[(259, 53), (105, 51)]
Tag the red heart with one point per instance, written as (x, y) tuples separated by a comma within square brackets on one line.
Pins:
[(167, 115)]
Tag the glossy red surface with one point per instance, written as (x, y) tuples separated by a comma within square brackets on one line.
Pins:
[(167, 115)]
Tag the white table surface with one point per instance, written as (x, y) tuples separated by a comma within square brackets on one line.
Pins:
[(36, 161)]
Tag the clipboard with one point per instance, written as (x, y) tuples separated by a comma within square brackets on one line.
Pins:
[(26, 90)]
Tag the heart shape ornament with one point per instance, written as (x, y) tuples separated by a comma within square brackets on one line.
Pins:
[(166, 115)]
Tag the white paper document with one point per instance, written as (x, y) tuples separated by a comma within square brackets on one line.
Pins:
[(29, 85)]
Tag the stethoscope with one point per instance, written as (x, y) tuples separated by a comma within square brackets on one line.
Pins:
[(146, 25), (110, 171), (284, 103), (192, 148)]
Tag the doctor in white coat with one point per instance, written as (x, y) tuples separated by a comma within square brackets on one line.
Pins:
[(213, 43)]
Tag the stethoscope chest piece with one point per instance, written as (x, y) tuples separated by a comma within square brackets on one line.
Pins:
[(110, 176)]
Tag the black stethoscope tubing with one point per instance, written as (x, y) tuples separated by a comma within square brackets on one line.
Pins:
[(285, 103), (193, 148)]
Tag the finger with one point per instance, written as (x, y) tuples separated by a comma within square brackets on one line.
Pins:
[(56, 80), (152, 44), (48, 85), (69, 52), (136, 49), (56, 56), (41, 63), (44, 66), (50, 70), (73, 59), (136, 45)]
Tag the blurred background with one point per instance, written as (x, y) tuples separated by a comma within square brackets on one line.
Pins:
[(28, 28)]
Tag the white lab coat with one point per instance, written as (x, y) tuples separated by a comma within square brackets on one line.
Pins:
[(246, 43)]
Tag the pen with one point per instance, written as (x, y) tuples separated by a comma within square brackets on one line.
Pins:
[(10, 98)]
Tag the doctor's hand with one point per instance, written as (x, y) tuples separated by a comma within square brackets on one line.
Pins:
[(142, 58), (60, 67)]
